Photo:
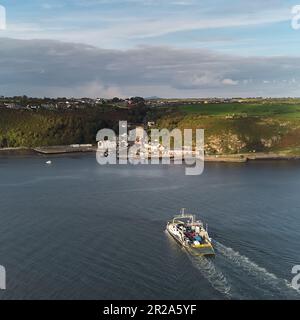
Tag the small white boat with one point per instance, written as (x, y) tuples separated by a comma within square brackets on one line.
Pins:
[(49, 162), (191, 234)]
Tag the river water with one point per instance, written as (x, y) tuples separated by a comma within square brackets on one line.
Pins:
[(78, 230)]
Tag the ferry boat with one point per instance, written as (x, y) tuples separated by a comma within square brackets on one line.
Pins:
[(191, 234)]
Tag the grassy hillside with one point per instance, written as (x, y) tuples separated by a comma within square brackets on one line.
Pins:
[(241, 127), (282, 110), (229, 127)]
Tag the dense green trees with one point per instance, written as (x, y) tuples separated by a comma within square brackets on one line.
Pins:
[(45, 128)]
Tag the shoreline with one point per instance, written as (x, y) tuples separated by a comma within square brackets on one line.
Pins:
[(62, 150), (65, 149), (245, 157), (55, 150)]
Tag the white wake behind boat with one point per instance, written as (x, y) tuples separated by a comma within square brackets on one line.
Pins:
[(191, 234)]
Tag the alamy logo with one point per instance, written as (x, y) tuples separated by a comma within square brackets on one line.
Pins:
[(2, 18), (2, 278), (296, 17), (135, 146), (296, 279)]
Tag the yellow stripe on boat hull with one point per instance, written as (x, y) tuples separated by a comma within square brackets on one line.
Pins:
[(202, 246)]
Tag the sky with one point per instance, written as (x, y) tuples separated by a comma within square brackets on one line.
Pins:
[(166, 48)]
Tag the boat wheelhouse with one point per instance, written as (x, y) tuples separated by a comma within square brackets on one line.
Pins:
[(191, 233)]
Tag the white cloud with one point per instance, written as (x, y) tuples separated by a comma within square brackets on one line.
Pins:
[(230, 82), (37, 67), (51, 6), (115, 30)]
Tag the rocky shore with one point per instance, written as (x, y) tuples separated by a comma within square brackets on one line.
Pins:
[(56, 150)]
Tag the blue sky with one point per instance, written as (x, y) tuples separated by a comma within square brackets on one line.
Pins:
[(238, 28), (242, 27)]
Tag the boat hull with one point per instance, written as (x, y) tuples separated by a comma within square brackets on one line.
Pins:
[(201, 249)]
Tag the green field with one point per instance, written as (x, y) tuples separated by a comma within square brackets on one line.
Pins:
[(240, 127), (286, 110)]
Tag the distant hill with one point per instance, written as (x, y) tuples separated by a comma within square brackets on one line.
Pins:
[(153, 98)]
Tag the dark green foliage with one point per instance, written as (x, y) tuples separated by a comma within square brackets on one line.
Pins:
[(46, 128)]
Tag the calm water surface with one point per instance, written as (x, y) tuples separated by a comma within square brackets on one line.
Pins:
[(77, 230)]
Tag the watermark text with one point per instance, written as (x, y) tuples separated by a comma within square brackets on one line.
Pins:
[(136, 146), (2, 18), (2, 278), (296, 279)]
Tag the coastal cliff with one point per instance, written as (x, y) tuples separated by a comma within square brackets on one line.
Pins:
[(230, 129)]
